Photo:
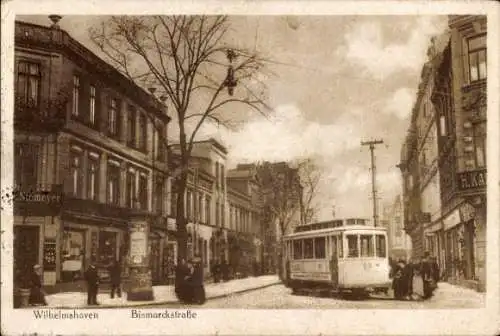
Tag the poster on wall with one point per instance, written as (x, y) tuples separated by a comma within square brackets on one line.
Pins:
[(138, 244)]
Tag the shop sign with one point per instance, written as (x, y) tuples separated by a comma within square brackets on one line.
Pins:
[(452, 220), (471, 180), (138, 244)]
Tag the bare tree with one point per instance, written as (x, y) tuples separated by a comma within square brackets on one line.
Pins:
[(310, 176), (184, 58)]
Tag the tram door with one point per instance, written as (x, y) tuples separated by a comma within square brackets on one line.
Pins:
[(334, 265)]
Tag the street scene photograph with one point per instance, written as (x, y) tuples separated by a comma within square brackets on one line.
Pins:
[(249, 162)]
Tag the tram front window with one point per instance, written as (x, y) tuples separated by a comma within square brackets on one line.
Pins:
[(380, 246), (367, 246), (352, 246)]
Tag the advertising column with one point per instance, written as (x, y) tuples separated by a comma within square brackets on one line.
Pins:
[(140, 285)]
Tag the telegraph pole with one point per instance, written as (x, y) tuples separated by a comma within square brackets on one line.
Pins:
[(372, 145)]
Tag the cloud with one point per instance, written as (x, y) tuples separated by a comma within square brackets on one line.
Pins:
[(288, 135), (364, 47), (400, 103)]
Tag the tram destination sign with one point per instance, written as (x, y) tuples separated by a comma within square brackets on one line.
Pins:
[(472, 180)]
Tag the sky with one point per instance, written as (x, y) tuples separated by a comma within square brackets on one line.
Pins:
[(336, 81)]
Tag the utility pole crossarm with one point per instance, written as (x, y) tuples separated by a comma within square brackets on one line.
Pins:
[(372, 145)]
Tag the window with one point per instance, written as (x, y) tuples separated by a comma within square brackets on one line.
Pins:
[(131, 118), (76, 96), (160, 139), (130, 191), (351, 221), (308, 248), (173, 204), (217, 173), (113, 117), (352, 246), (222, 176), (93, 176), (76, 172), (297, 249), (188, 204), (208, 213), (200, 208), (480, 144), (143, 133), (319, 248), (143, 191), (25, 164), (367, 246), (477, 58), (92, 105), (160, 195), (113, 185), (380, 246), (340, 247), (28, 84), (217, 213), (222, 214)]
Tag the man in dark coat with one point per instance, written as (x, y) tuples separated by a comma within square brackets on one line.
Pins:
[(198, 289), (427, 276), (224, 270), (92, 278), (399, 281), (215, 270), (181, 272), (115, 274), (37, 296)]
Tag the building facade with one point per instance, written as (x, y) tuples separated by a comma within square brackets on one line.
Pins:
[(398, 240), (461, 97), (85, 135), (445, 193)]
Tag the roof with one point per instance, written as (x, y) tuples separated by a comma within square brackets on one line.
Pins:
[(323, 232)]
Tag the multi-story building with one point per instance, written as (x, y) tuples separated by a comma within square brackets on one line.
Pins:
[(245, 219), (83, 133), (398, 240), (460, 99), (445, 193)]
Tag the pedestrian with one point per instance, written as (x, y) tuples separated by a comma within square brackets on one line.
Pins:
[(398, 282), (407, 280), (417, 281), (188, 283), (181, 271), (215, 270), (92, 278), (115, 273), (224, 270), (198, 289), (436, 272), (426, 273), (37, 295)]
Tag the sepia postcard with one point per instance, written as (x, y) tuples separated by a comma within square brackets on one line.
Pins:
[(250, 168)]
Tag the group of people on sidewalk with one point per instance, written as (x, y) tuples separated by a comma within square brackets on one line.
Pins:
[(416, 279), (189, 286)]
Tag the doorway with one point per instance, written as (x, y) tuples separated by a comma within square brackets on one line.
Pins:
[(26, 245)]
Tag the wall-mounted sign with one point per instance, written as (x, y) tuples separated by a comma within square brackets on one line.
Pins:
[(475, 179)]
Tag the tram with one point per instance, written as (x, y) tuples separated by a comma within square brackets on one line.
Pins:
[(348, 256)]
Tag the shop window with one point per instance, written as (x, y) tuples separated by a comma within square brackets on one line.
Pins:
[(107, 247), (319, 248), (72, 254), (352, 246), (381, 246), (297, 249), (366, 245), (477, 58), (308, 248)]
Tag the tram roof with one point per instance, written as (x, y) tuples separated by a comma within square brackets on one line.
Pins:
[(323, 232)]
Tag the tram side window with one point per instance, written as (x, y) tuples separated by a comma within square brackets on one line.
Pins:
[(366, 245), (352, 246), (319, 248), (340, 247), (380, 240), (297, 249), (308, 248)]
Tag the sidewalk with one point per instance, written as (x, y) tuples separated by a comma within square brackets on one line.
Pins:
[(162, 294), (457, 296)]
